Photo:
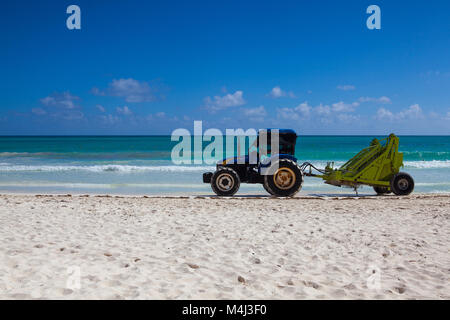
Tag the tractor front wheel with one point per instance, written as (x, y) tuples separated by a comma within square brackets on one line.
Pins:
[(402, 184), (225, 182), (286, 180)]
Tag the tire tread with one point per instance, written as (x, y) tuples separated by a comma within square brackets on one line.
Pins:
[(273, 192), (235, 188)]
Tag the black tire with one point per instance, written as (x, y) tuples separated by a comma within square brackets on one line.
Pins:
[(381, 190), (225, 182), (287, 179), (267, 189), (402, 184)]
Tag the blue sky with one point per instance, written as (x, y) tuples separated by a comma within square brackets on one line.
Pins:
[(147, 67)]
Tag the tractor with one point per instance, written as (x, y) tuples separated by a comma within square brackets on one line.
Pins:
[(377, 166)]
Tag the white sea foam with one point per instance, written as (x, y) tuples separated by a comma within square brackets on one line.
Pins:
[(428, 164), (46, 184), (26, 154), (105, 168), (432, 184), (8, 167)]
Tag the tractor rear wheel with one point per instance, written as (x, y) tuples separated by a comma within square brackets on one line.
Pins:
[(225, 182), (267, 189), (286, 180), (402, 184), (381, 190)]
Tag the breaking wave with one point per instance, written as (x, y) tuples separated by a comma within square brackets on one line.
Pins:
[(104, 168), (433, 164), (7, 167), (88, 155)]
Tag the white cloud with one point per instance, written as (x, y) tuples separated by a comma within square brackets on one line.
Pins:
[(97, 92), (384, 114), (288, 114), (259, 111), (100, 108), (276, 92), (345, 117), (302, 111), (125, 111), (38, 111), (344, 107), (413, 112), (60, 105), (130, 89), (383, 99), (109, 119), (63, 100), (346, 87), (322, 110), (229, 100), (324, 113), (158, 115), (255, 114), (70, 115)]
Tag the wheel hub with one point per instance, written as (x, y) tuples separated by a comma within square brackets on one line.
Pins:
[(225, 182), (403, 184), (284, 178)]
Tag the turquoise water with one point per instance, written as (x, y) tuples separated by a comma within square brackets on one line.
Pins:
[(142, 165)]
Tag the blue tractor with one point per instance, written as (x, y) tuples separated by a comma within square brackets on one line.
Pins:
[(279, 173)]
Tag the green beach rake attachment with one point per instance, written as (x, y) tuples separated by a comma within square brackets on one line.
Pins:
[(377, 165)]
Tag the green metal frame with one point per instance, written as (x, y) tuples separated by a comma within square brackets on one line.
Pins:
[(373, 166)]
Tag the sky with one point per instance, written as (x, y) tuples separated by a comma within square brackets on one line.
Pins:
[(149, 67)]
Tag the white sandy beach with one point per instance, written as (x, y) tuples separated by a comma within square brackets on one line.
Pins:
[(210, 248)]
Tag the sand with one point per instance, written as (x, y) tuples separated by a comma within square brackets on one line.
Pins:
[(91, 247)]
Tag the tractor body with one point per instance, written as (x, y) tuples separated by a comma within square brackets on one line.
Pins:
[(253, 168), (250, 171)]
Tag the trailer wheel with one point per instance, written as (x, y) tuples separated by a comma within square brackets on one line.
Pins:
[(402, 184), (225, 182), (287, 179), (381, 190)]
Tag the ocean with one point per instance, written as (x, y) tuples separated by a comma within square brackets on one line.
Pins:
[(141, 165)]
